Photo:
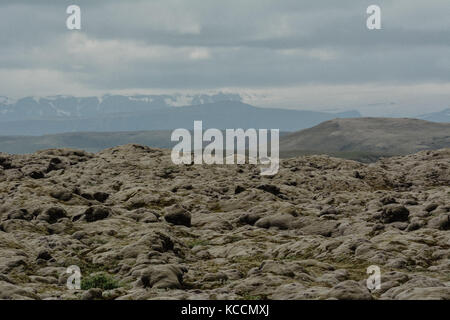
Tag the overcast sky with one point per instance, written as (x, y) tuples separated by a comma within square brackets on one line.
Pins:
[(315, 55)]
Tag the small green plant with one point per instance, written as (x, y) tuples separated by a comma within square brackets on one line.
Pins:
[(102, 281), (197, 242)]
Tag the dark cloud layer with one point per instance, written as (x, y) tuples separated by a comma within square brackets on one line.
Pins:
[(197, 44)]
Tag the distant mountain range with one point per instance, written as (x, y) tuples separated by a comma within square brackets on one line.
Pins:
[(441, 116), (51, 115), (68, 107), (93, 124)]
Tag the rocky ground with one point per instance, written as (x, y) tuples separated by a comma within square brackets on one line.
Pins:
[(140, 227)]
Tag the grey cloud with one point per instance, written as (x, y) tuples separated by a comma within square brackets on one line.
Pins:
[(197, 44)]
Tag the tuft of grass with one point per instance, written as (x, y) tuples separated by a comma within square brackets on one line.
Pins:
[(101, 280), (197, 242)]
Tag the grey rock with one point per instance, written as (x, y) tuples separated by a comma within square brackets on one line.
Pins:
[(21, 214), (162, 277), (52, 215), (96, 213), (63, 195), (329, 211), (101, 196), (431, 207), (44, 255), (280, 221), (394, 213), (441, 222), (178, 215), (92, 294), (270, 189)]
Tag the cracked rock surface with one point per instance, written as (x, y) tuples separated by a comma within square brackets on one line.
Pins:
[(165, 231)]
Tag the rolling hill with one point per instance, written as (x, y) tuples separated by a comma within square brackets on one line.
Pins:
[(369, 136)]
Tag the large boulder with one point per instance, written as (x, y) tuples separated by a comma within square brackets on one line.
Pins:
[(280, 221), (394, 213), (178, 215), (19, 214), (52, 215), (162, 277), (96, 213)]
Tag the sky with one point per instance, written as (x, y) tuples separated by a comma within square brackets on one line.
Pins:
[(313, 55)]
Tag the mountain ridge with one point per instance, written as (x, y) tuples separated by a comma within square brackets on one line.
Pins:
[(220, 114), (64, 106)]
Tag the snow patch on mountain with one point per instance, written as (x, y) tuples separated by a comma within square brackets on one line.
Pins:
[(65, 106)]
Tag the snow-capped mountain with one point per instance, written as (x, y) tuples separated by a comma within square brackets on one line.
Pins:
[(64, 107)]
